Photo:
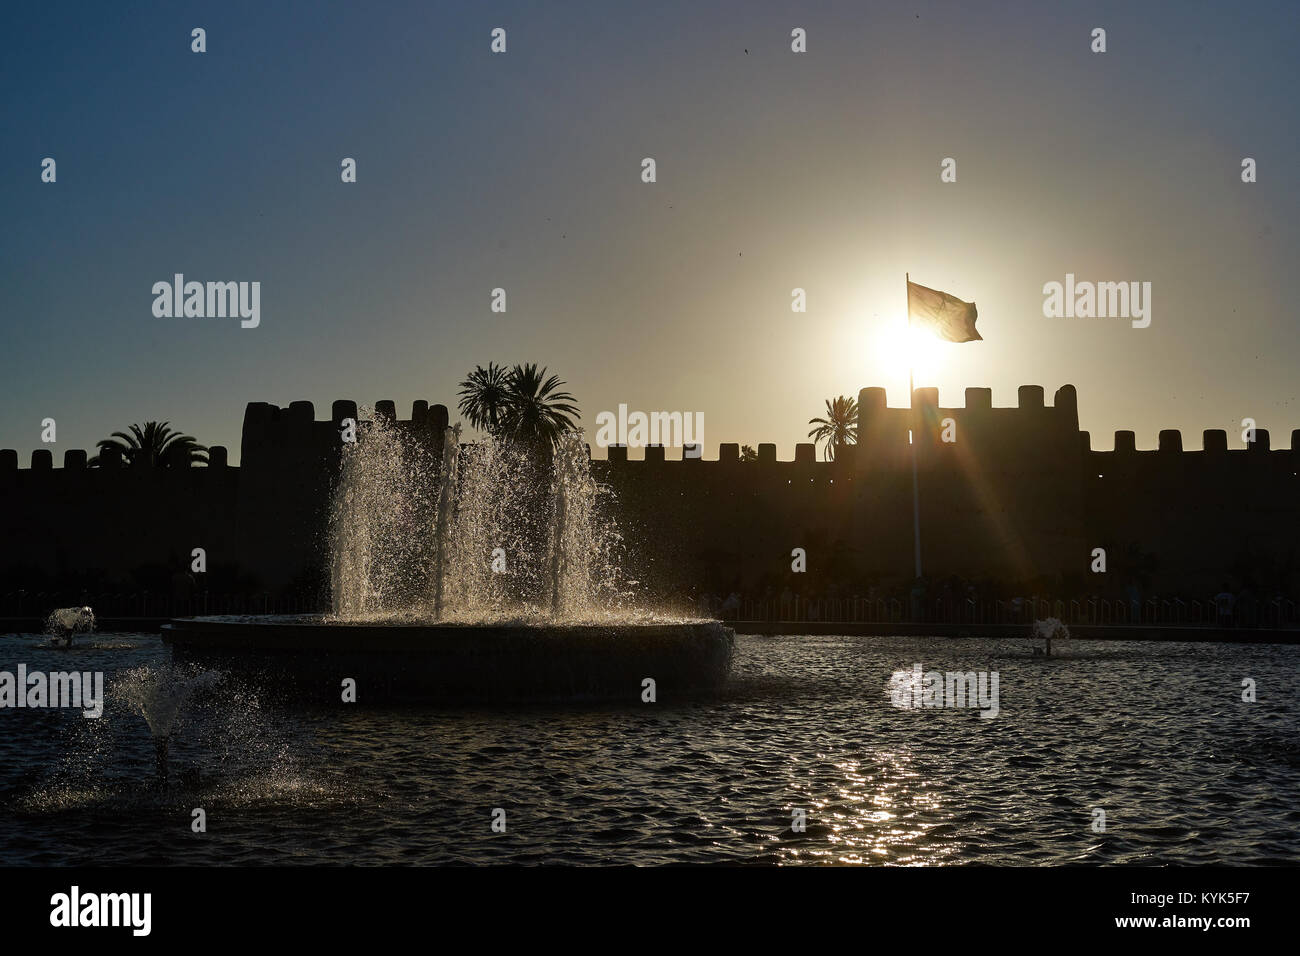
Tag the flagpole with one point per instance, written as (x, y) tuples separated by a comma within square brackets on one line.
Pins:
[(915, 432)]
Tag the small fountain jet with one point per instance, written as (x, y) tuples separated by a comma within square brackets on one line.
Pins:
[(1047, 630), (160, 695), (66, 622)]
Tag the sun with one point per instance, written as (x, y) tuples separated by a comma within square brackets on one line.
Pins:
[(906, 346)]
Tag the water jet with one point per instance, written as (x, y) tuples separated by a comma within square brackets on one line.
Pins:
[(67, 622), (161, 696), (423, 611)]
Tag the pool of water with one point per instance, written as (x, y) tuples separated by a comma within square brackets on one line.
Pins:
[(1156, 736)]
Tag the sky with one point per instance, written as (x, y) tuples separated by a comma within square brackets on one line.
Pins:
[(522, 170)]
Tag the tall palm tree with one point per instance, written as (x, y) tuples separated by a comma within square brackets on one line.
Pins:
[(483, 396), (839, 427), (747, 453), (154, 444), (524, 404), (537, 412)]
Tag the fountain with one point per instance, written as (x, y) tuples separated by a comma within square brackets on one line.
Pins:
[(446, 502), (160, 695), (66, 622), (1047, 630), (487, 571)]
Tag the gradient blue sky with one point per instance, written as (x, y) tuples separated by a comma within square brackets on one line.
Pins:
[(522, 170)]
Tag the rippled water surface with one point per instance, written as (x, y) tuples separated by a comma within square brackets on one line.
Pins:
[(1156, 735)]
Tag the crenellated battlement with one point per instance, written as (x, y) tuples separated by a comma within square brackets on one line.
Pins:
[(1007, 493), (292, 430), (298, 414), (1214, 441), (871, 401), (77, 459), (805, 453), (881, 428)]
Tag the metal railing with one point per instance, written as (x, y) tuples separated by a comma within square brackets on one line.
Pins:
[(1239, 612), (147, 604), (1211, 611)]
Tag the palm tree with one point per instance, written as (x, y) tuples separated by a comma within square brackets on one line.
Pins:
[(524, 404), (528, 408), (154, 444), (536, 412), (747, 453), (483, 396), (839, 427)]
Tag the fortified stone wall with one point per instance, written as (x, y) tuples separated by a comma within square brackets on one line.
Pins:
[(1199, 520), (1003, 499), (1013, 497), (75, 527), (288, 462)]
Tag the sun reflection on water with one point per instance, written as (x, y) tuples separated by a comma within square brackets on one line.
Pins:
[(877, 810)]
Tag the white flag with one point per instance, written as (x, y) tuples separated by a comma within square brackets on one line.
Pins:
[(945, 315)]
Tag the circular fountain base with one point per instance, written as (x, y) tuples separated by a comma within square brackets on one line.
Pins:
[(506, 662)]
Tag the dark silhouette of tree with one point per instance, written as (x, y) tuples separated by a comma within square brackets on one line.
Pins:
[(154, 444), (839, 427), (483, 396), (524, 405), (747, 453), (537, 412)]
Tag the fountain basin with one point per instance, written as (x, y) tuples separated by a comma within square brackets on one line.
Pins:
[(431, 661)]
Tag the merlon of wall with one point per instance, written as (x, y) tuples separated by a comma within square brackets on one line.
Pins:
[(110, 459), (1214, 441)]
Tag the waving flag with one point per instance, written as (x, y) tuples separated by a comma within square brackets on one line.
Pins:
[(945, 315)]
